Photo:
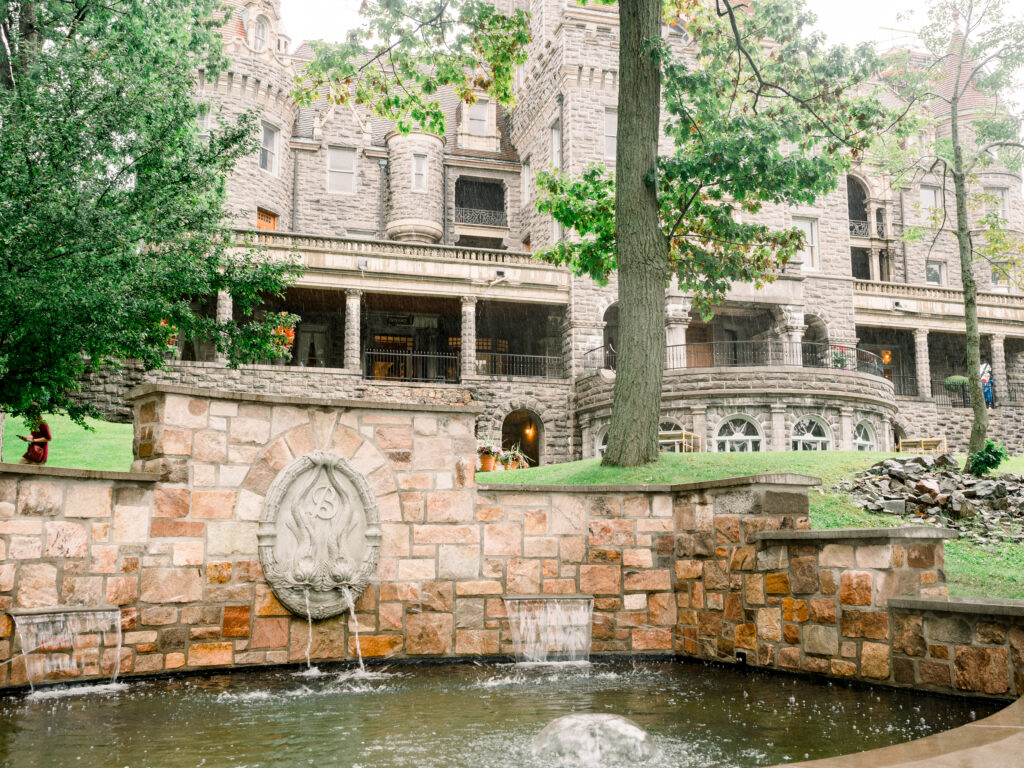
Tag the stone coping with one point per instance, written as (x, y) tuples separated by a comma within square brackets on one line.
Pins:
[(80, 474), (982, 606), (552, 597), (57, 610), (782, 478), (995, 742), (269, 399), (920, 532)]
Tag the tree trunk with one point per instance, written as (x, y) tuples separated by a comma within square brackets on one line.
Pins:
[(979, 427), (642, 248)]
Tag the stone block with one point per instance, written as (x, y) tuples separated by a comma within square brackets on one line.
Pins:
[(651, 639), (249, 431), (803, 575), (82, 590), (649, 581), (450, 507), (908, 634), (429, 634), (171, 502), (88, 500), (772, 558), (37, 586), (122, 590), (213, 505), (948, 629), (210, 446), (870, 624), (777, 584), (375, 646), (921, 555), (600, 579), (821, 641), (611, 533), (231, 537), (855, 588), (745, 636), (568, 514), (476, 642), (210, 654), (503, 539), (458, 561), (36, 497), (236, 621), (822, 610), (935, 673), (172, 585), (836, 556), (66, 540), (769, 624), (523, 576), (874, 556), (983, 670), (131, 524), (874, 661), (794, 610)]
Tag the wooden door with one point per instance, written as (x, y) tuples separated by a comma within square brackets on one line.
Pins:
[(698, 345)]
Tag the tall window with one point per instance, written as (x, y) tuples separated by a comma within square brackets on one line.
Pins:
[(864, 437), (268, 149), (527, 181), (419, 172), (998, 202), (478, 118), (809, 434), (935, 272), (810, 252), (556, 145), (738, 435), (611, 129), (266, 220), (931, 197), (341, 170), (259, 31)]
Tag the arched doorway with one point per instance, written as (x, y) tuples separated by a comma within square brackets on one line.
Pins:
[(611, 335), (524, 428)]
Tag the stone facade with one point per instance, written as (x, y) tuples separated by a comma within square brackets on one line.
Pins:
[(723, 570)]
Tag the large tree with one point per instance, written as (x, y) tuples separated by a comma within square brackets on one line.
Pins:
[(963, 86), (764, 115), (112, 227)]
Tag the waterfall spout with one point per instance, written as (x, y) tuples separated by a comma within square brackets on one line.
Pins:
[(66, 644), (354, 622), (550, 627)]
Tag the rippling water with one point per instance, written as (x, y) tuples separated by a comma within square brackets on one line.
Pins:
[(448, 716)]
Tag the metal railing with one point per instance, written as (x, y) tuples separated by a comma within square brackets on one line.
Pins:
[(391, 365), (764, 352), (1014, 392), (860, 228), (503, 364), (945, 397), (481, 217), (905, 386)]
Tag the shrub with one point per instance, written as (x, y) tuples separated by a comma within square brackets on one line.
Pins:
[(955, 382), (987, 459)]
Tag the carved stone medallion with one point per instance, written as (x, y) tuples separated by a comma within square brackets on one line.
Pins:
[(319, 535)]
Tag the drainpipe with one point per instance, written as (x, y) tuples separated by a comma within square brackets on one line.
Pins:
[(382, 204), (295, 191), (903, 243), (560, 99), (444, 201)]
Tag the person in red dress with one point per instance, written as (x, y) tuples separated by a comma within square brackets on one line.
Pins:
[(38, 440)]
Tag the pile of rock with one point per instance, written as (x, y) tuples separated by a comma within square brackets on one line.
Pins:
[(934, 490)]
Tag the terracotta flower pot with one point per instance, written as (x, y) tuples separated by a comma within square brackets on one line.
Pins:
[(486, 463), (509, 465)]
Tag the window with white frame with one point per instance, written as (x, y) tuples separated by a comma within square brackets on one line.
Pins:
[(810, 251), (1001, 276), (935, 272), (556, 145), (478, 118), (997, 202), (259, 33), (268, 148), (527, 182), (672, 438), (738, 434), (810, 434), (419, 172), (602, 443), (341, 170), (864, 437), (611, 130), (931, 198)]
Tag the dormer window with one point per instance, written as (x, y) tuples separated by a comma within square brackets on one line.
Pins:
[(478, 118), (259, 33)]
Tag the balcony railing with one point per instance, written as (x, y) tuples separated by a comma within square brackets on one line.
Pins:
[(905, 386), (859, 229), (502, 364), (957, 397), (481, 217), (390, 365), (764, 352)]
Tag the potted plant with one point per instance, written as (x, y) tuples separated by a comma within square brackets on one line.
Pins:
[(284, 338), (510, 458), (488, 453), (521, 461)]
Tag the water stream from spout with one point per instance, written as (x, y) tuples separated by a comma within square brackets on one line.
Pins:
[(310, 669), (551, 628), (355, 626)]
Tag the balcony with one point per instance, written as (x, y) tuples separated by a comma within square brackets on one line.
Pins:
[(391, 365), (481, 217), (903, 305), (530, 366), (860, 229), (756, 354)]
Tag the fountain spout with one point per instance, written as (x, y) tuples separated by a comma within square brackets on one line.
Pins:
[(548, 628), (58, 645)]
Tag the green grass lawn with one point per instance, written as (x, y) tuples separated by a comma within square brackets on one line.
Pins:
[(105, 446), (970, 569)]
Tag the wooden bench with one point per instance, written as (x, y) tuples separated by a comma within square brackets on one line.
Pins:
[(922, 445)]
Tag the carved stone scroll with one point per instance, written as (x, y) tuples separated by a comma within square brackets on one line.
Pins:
[(319, 535)]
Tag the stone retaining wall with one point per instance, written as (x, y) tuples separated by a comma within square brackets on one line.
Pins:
[(923, 418)]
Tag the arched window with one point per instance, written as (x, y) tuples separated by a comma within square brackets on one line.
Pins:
[(670, 436), (259, 32), (602, 442), (738, 434), (864, 437), (611, 335), (810, 434)]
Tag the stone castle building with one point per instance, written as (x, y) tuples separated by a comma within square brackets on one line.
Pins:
[(419, 284)]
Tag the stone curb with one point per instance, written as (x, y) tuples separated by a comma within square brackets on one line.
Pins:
[(981, 606), (81, 474), (910, 532), (783, 478)]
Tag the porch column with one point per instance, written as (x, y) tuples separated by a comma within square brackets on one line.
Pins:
[(845, 429), (924, 376), (793, 336), (999, 380), (699, 415), (468, 336), (225, 311), (779, 436), (353, 299), (677, 319)]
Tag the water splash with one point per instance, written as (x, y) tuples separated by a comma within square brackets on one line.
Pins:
[(551, 628), (594, 740), (52, 633), (354, 620)]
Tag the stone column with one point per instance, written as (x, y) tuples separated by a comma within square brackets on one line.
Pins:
[(675, 342), (699, 415), (779, 439), (793, 337), (845, 429), (225, 312), (468, 337), (999, 378), (924, 375), (353, 299)]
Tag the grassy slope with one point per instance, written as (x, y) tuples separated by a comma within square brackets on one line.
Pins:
[(970, 569), (106, 446)]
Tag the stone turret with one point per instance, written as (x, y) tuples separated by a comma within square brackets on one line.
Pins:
[(416, 196)]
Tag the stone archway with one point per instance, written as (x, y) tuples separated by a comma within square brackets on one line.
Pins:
[(525, 428)]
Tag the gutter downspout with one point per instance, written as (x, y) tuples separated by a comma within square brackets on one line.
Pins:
[(571, 421), (295, 191), (903, 243), (444, 201)]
